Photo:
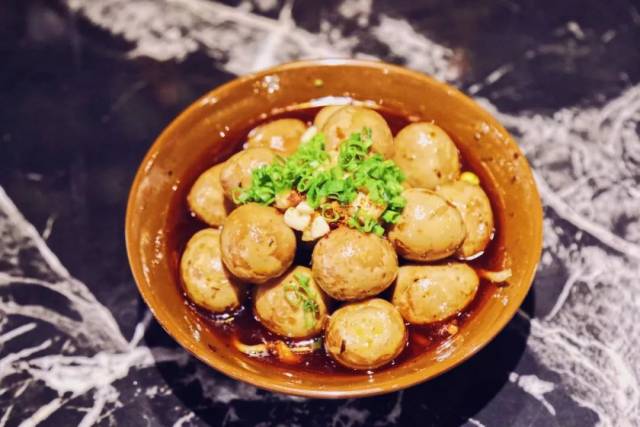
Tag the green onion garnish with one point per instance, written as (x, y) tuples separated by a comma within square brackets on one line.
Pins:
[(311, 172), (301, 294)]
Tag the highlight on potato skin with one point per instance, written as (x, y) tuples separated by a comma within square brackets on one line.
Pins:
[(429, 228), (324, 114), (282, 136), (474, 206), (350, 265), (236, 173), (366, 335), (206, 280), (350, 119), (395, 235), (425, 294), (427, 155), (206, 198), (256, 244), (292, 305)]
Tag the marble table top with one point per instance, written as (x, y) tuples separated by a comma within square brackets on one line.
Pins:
[(86, 86)]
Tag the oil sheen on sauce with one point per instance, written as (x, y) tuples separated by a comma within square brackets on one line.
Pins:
[(244, 327)]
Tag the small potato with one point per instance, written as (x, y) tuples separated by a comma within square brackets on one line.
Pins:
[(426, 155), (351, 119), (256, 243), (474, 205), (431, 293), (429, 228), (350, 265), (206, 280), (365, 335), (206, 198), (324, 114), (282, 136), (236, 172), (279, 305)]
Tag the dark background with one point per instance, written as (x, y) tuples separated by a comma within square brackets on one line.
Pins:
[(80, 109)]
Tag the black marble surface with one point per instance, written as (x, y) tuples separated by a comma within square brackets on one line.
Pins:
[(86, 86)]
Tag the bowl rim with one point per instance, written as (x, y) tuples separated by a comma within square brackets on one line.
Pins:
[(408, 379)]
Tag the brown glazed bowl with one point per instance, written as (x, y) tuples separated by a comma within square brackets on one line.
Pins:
[(209, 130)]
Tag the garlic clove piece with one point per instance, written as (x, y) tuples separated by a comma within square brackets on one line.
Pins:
[(319, 227), (296, 220)]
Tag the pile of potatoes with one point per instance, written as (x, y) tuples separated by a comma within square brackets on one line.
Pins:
[(446, 221)]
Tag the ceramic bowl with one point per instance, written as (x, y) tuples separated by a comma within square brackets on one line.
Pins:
[(208, 131)]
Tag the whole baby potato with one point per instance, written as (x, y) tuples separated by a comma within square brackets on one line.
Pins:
[(429, 227), (206, 280), (206, 198), (323, 115), (279, 304), (426, 155), (282, 136), (256, 243), (236, 173), (352, 119), (475, 207), (430, 293), (350, 265), (365, 335)]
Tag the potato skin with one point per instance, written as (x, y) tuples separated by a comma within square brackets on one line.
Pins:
[(475, 208), (430, 293), (206, 198), (236, 172), (256, 244), (350, 119), (366, 334), (349, 265), (426, 155), (429, 228), (278, 315), (206, 280), (282, 136), (323, 115)]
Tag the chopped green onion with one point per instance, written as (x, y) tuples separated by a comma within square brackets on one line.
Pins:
[(329, 213), (303, 280), (301, 294), (310, 172), (378, 230)]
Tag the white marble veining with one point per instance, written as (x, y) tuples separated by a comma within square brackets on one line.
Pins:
[(83, 357), (586, 163), (587, 337), (535, 387), (244, 42)]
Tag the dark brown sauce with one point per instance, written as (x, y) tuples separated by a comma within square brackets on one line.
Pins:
[(243, 326)]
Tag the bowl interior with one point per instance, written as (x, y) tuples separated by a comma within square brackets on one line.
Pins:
[(207, 133)]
